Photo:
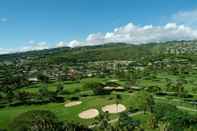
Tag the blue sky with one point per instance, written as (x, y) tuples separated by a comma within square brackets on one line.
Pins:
[(27, 22)]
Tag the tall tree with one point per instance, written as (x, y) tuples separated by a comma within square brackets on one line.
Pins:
[(36, 120), (144, 101), (126, 123)]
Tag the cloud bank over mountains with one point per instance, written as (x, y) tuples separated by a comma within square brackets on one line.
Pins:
[(129, 33), (31, 45), (135, 34)]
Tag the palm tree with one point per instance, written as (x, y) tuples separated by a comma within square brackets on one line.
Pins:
[(43, 78), (152, 121), (118, 98), (60, 89), (103, 122), (36, 120), (164, 126), (179, 87), (126, 123), (168, 84)]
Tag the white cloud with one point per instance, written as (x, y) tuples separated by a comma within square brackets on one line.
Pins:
[(135, 34), (61, 44), (3, 19), (31, 42), (5, 51), (129, 33), (31, 45), (95, 38), (75, 43), (170, 26), (34, 46), (188, 18)]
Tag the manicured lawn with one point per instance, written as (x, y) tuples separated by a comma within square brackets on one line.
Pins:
[(69, 86), (161, 82), (71, 114), (65, 114)]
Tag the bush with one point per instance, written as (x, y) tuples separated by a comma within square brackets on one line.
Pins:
[(3, 105), (111, 98), (16, 103), (86, 93), (91, 84), (161, 94), (153, 89), (71, 126), (58, 99), (38, 101), (99, 90), (76, 91), (36, 120), (132, 109), (112, 84), (74, 98), (187, 95), (96, 87)]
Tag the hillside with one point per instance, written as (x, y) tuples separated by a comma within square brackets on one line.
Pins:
[(111, 51), (134, 83)]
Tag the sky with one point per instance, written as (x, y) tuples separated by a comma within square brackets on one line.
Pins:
[(40, 24)]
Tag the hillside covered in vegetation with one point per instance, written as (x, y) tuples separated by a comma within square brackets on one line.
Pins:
[(110, 87)]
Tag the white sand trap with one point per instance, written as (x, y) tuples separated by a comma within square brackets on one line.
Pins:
[(119, 88), (109, 87), (89, 114), (114, 108), (74, 103)]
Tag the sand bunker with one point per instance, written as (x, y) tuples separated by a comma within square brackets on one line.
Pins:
[(114, 108), (89, 114), (113, 88), (113, 80), (74, 103)]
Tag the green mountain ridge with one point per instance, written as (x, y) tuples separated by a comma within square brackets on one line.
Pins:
[(110, 51)]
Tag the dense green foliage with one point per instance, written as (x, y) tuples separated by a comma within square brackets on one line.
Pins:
[(41, 120), (35, 120), (156, 82)]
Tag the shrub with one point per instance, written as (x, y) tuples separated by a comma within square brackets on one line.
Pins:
[(76, 91), (86, 93), (91, 84), (36, 120), (132, 109), (99, 90), (74, 98), (153, 89), (3, 129), (112, 84)]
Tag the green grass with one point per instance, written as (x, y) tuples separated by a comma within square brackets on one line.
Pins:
[(161, 82), (66, 114), (70, 86), (71, 114)]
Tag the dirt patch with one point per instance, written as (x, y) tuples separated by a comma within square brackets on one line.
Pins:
[(73, 103), (89, 114), (114, 108)]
